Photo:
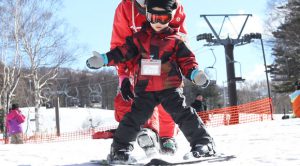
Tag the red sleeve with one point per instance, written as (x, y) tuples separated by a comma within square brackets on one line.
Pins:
[(121, 30), (178, 21), (120, 25), (124, 53), (185, 58), (21, 117)]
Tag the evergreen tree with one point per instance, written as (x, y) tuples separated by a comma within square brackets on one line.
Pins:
[(285, 69)]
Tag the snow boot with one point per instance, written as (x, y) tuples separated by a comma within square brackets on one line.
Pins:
[(168, 146), (200, 150), (148, 141), (121, 156)]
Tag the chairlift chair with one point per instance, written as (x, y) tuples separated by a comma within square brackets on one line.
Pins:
[(72, 101), (95, 97), (208, 70), (240, 77)]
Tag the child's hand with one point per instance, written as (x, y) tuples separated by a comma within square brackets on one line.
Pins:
[(126, 91), (199, 77), (96, 61)]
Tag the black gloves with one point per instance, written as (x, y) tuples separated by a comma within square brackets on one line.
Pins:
[(126, 90)]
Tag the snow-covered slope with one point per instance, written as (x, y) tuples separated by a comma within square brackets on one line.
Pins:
[(71, 119), (268, 143)]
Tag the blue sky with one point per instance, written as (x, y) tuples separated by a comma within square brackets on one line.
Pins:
[(92, 21)]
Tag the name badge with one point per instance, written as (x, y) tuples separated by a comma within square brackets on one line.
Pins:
[(150, 67)]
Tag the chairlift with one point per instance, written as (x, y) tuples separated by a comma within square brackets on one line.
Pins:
[(47, 94), (72, 101), (239, 78), (95, 97), (211, 70)]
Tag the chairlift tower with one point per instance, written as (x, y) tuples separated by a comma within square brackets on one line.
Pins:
[(228, 44)]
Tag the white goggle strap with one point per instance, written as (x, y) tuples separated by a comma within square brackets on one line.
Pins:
[(141, 2)]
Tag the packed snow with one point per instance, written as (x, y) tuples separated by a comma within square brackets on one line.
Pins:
[(267, 143)]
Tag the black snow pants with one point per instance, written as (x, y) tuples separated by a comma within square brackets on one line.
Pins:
[(173, 102)]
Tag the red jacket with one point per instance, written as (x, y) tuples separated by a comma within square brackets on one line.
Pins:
[(125, 26), (167, 46)]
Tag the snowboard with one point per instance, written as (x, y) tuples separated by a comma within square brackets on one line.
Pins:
[(215, 158), (106, 163), (159, 161)]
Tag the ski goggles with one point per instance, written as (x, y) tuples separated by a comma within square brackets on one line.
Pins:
[(159, 18)]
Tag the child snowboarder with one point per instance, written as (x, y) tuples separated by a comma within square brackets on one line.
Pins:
[(129, 18), (161, 58)]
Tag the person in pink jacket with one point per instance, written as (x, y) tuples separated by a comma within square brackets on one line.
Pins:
[(14, 119)]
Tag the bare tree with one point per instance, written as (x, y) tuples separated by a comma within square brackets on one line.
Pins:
[(11, 59), (251, 91), (275, 15), (44, 43)]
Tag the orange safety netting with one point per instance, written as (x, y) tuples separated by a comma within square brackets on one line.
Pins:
[(69, 136), (250, 112)]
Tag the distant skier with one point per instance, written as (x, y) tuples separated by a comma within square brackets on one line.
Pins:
[(159, 57), (295, 100), (200, 106), (14, 120), (159, 131)]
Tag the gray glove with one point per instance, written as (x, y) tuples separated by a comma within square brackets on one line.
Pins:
[(199, 77), (97, 60)]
